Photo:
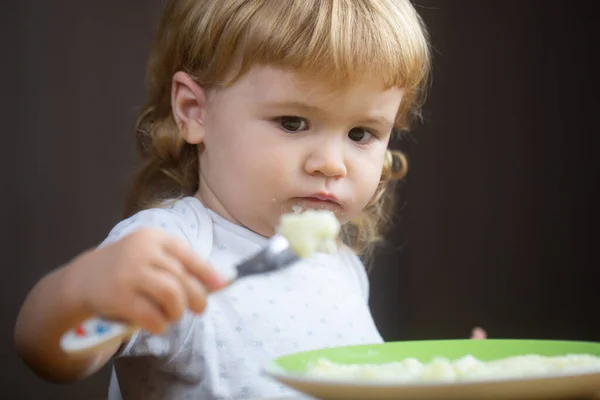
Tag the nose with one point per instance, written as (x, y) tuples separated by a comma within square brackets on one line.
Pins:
[(327, 159)]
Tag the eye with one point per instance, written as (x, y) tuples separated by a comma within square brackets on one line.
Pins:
[(360, 135), (293, 124)]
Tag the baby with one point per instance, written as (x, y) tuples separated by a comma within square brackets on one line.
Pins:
[(255, 108)]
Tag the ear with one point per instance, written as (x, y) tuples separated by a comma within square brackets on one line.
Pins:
[(188, 101)]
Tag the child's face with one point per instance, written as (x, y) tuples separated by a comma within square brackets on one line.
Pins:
[(273, 141)]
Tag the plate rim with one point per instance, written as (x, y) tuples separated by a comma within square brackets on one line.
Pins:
[(275, 371)]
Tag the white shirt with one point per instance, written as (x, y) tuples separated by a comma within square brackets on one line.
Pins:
[(316, 303)]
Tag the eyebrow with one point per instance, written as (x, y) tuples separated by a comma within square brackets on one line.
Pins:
[(298, 106), (379, 120)]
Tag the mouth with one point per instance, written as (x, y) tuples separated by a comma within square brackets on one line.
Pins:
[(320, 201), (322, 198), (313, 200)]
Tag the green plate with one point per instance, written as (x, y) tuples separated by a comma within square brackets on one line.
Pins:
[(289, 370)]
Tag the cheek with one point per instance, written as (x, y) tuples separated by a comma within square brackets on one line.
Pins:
[(368, 169), (369, 183), (365, 182), (252, 152)]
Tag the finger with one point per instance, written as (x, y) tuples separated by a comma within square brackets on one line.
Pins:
[(196, 294), (143, 312), (195, 266), (165, 290), (195, 291)]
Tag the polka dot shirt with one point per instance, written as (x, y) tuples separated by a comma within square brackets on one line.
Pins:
[(316, 303)]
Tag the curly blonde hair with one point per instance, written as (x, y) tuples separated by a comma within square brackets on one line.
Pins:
[(337, 41)]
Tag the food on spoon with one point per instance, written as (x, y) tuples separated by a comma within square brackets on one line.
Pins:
[(310, 231)]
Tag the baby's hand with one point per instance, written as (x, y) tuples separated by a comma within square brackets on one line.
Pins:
[(146, 279), (478, 334)]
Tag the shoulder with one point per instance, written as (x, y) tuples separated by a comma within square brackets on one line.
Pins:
[(186, 219)]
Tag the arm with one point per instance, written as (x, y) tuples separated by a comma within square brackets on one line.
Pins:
[(52, 307), (147, 279)]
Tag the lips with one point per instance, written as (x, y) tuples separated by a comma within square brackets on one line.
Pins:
[(323, 197), (320, 201)]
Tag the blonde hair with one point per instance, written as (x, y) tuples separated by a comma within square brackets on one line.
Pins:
[(338, 41)]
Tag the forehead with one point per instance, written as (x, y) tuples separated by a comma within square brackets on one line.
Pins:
[(268, 85)]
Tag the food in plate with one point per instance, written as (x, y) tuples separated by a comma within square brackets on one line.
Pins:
[(467, 368)]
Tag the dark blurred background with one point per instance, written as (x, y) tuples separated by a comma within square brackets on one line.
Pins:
[(495, 227)]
